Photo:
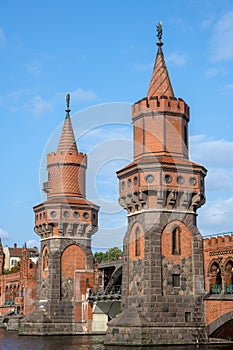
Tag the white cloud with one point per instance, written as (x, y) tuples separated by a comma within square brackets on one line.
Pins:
[(228, 90), (82, 95), (216, 155), (221, 44), (217, 216), (208, 21), (142, 67), (34, 68), (33, 243), (177, 60), (38, 106), (3, 234), (212, 72), (211, 152), (220, 180)]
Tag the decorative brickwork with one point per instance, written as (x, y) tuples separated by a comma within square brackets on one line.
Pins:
[(218, 270), (18, 289), (163, 286), (65, 224)]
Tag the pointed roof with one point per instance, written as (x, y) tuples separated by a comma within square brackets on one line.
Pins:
[(160, 84), (67, 140)]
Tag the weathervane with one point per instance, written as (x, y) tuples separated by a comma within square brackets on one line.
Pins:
[(159, 33), (68, 103)]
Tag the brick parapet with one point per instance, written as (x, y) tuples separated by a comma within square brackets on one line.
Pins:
[(161, 104), (71, 157)]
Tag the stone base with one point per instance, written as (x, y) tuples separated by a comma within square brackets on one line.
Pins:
[(13, 323), (129, 328), (38, 323)]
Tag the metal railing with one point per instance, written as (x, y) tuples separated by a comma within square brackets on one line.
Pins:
[(215, 288), (111, 293), (228, 289)]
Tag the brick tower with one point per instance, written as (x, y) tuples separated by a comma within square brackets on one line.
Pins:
[(163, 283), (2, 258), (65, 223)]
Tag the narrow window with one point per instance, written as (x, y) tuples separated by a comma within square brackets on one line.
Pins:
[(137, 242), (176, 280), (187, 317), (185, 135), (176, 241)]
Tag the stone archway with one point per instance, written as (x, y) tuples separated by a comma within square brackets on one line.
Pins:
[(222, 327)]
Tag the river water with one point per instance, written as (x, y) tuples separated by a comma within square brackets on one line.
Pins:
[(12, 341)]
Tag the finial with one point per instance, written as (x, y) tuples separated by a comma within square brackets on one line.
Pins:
[(159, 33), (68, 103)]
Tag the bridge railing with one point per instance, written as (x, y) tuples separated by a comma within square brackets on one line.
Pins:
[(217, 289), (228, 289), (110, 293)]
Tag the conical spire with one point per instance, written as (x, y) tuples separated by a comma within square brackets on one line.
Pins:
[(160, 84), (67, 140)]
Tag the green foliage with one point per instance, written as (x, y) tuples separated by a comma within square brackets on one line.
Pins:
[(111, 254), (14, 269)]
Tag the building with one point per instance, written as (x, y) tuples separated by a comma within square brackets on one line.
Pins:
[(161, 190), (13, 255), (65, 223), (218, 272), (18, 288)]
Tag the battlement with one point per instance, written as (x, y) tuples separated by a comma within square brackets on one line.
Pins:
[(160, 104), (221, 240), (67, 157)]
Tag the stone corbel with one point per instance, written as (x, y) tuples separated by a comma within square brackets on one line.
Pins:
[(185, 200), (160, 199), (171, 199)]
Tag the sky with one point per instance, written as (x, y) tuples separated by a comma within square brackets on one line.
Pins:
[(103, 52)]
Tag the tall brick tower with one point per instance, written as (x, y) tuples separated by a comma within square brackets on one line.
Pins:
[(163, 283), (65, 223)]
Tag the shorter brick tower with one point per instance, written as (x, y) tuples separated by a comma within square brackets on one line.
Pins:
[(2, 258), (163, 282), (65, 223)]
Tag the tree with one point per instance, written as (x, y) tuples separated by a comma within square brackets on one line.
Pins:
[(99, 256), (111, 254)]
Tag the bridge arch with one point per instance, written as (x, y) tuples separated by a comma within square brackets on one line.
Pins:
[(222, 327)]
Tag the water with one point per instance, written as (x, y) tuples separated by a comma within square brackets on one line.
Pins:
[(11, 341)]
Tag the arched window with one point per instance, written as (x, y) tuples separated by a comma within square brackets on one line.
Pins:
[(216, 278), (229, 277), (176, 241), (45, 262), (185, 135), (137, 241)]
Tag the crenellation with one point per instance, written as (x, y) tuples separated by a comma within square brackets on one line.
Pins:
[(160, 104), (169, 181)]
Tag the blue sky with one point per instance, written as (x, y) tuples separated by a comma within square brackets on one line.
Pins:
[(102, 53)]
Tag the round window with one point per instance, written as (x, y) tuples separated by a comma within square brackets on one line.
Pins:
[(180, 180), (192, 181), (167, 178), (76, 214), (129, 182), (86, 215), (66, 214), (149, 178), (53, 214)]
